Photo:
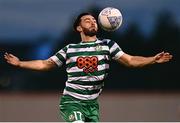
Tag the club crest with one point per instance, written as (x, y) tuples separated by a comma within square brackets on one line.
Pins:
[(98, 47), (71, 117)]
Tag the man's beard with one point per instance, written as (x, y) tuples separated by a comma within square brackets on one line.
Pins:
[(89, 32)]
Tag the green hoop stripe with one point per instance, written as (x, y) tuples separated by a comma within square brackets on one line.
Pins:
[(111, 43), (82, 46), (95, 73), (84, 92), (86, 82), (115, 52), (60, 57), (89, 53)]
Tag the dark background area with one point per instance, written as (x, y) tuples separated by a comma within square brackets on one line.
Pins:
[(165, 36)]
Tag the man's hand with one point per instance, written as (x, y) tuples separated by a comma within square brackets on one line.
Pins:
[(162, 57), (11, 59)]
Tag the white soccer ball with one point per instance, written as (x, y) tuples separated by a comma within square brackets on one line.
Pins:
[(110, 19)]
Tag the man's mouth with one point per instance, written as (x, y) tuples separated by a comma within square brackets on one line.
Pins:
[(93, 28)]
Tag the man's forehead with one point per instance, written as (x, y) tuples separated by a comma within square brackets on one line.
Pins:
[(87, 17)]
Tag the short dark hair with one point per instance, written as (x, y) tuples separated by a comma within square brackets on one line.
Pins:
[(78, 19)]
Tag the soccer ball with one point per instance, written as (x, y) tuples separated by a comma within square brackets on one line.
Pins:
[(110, 19)]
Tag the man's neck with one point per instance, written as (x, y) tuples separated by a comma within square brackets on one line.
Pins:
[(88, 38)]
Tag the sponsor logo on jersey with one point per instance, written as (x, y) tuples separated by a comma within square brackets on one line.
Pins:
[(88, 64)]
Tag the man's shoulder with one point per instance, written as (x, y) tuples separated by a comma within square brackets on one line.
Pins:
[(69, 45), (105, 41)]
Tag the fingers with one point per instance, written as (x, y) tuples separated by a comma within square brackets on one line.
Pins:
[(171, 56), (161, 53), (167, 55), (163, 57), (6, 56), (11, 55)]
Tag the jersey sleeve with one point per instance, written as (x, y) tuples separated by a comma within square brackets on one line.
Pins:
[(60, 57), (115, 51)]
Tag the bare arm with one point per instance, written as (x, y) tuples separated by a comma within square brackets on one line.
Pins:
[(140, 61), (39, 65)]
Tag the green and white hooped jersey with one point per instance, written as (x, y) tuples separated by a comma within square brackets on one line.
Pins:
[(87, 65)]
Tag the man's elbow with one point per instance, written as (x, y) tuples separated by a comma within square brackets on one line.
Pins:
[(133, 64), (47, 65)]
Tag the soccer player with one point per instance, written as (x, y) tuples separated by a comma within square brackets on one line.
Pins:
[(87, 65)]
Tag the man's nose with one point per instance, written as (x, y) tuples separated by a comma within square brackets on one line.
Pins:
[(93, 23)]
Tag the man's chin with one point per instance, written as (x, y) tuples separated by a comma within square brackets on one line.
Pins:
[(91, 34)]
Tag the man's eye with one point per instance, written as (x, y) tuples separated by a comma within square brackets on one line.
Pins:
[(87, 21)]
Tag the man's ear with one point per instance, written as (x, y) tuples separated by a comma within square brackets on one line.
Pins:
[(78, 28)]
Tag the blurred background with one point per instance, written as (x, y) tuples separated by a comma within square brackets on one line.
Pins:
[(37, 29)]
